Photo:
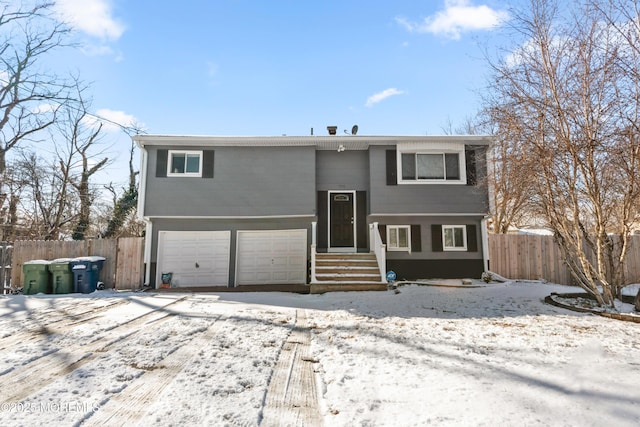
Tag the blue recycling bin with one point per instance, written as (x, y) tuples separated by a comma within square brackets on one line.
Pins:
[(86, 273)]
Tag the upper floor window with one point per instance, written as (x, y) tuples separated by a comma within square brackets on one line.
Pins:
[(431, 167), (184, 163)]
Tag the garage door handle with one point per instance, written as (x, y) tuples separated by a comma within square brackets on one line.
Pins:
[(197, 265)]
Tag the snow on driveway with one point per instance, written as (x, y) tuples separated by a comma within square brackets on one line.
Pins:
[(494, 355)]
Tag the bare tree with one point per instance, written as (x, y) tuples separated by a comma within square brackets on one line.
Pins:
[(29, 95), (567, 100), (45, 210), (27, 35), (508, 189), (79, 137), (14, 184)]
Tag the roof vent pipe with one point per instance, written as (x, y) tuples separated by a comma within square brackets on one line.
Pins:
[(332, 130)]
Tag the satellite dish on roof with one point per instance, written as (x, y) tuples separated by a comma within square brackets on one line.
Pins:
[(354, 130)]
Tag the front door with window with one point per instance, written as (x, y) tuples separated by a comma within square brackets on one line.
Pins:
[(341, 220)]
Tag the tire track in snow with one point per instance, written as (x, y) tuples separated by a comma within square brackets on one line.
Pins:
[(292, 395), (37, 373), (130, 405), (67, 319)]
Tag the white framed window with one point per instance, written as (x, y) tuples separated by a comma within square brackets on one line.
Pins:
[(399, 238), (431, 167), (454, 237), (431, 163), (184, 163)]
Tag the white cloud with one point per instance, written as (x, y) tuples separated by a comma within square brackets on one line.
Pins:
[(4, 78), (45, 108), (529, 51), (377, 97), (113, 120), (96, 50), (93, 17), (458, 16), (89, 49)]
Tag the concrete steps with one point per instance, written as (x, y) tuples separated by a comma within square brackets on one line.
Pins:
[(347, 272)]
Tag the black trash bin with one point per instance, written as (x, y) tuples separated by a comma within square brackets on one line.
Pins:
[(86, 273)]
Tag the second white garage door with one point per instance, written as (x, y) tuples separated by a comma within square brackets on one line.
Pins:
[(271, 257)]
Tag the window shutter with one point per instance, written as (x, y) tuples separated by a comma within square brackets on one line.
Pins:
[(416, 238), (470, 161), (207, 163), (361, 220), (472, 239), (392, 168), (383, 232), (323, 219), (436, 238), (161, 163)]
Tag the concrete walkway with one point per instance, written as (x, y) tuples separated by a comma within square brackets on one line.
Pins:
[(292, 396)]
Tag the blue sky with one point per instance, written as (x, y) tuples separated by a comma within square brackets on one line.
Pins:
[(257, 67), (250, 67)]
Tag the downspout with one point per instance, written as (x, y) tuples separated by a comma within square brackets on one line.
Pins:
[(485, 243), (314, 233), (490, 161), (148, 235)]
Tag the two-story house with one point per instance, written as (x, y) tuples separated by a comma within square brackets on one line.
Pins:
[(332, 212)]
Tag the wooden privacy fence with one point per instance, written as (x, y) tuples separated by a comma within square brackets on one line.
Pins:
[(515, 256), (122, 268), (531, 257)]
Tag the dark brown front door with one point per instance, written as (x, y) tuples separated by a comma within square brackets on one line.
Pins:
[(341, 220)]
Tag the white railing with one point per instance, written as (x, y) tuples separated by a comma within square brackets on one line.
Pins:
[(379, 248), (314, 232)]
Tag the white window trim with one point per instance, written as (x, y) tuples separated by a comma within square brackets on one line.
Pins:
[(399, 249), (461, 165), (184, 174), (464, 238)]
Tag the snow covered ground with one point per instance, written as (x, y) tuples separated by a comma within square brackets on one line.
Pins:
[(428, 355)]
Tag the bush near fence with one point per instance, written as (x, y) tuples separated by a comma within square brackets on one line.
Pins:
[(6, 250), (532, 257), (122, 268)]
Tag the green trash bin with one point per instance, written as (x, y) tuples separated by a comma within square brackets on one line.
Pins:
[(36, 277), (61, 276)]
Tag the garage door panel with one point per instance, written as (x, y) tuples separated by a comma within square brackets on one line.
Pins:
[(271, 257), (196, 258)]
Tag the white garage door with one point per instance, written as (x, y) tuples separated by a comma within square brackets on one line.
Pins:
[(271, 257), (196, 258)]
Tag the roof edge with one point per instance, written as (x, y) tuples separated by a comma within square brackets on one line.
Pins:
[(183, 140)]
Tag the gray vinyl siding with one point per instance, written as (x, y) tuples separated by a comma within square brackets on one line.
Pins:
[(425, 236), (247, 181), (423, 198), (232, 225), (348, 170)]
